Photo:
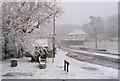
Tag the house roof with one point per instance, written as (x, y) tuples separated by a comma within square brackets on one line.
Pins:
[(77, 32), (41, 42)]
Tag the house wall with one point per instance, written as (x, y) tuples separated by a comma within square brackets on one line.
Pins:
[(68, 43), (77, 36)]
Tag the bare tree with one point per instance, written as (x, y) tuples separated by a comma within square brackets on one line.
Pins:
[(96, 23)]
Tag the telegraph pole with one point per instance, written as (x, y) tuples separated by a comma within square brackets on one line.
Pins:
[(53, 43), (95, 38)]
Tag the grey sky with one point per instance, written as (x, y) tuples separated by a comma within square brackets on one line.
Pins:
[(77, 13)]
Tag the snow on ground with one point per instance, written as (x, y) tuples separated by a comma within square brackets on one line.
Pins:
[(103, 45), (0, 70), (78, 70), (114, 52)]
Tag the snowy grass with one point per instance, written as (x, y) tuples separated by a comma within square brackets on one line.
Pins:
[(110, 46)]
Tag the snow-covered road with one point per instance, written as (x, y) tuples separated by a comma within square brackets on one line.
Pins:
[(78, 69), (107, 60)]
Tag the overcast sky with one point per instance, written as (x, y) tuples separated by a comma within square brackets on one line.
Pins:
[(77, 13)]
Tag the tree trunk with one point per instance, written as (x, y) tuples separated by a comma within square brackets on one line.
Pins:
[(34, 60)]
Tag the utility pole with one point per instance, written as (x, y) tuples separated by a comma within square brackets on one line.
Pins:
[(53, 43), (95, 38)]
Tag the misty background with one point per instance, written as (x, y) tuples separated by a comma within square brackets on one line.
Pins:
[(76, 15)]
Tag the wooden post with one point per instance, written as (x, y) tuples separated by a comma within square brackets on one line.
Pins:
[(13, 62), (65, 62), (67, 66), (42, 64), (64, 65)]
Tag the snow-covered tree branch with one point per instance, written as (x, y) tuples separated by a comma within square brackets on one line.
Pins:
[(20, 20)]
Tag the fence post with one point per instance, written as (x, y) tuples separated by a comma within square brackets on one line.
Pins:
[(64, 65), (67, 66)]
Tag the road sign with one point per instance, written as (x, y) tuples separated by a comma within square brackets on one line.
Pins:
[(54, 36)]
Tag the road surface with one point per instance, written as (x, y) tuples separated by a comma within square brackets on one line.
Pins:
[(104, 60)]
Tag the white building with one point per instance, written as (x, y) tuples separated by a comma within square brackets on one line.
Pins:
[(41, 43), (77, 35)]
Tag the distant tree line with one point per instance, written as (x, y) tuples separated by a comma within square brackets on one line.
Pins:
[(105, 29)]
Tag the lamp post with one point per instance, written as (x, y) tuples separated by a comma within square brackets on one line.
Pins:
[(53, 43)]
